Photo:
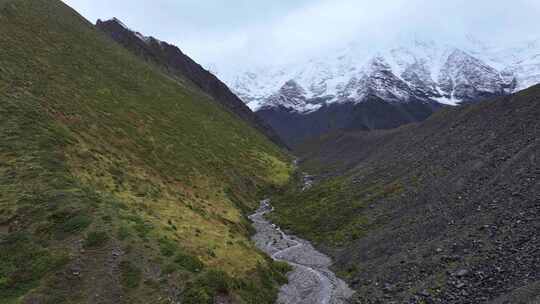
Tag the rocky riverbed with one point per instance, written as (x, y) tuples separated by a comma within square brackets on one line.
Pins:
[(311, 281)]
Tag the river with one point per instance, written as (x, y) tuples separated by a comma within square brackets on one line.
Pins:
[(311, 281)]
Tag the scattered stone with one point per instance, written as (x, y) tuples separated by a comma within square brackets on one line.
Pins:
[(461, 273), (389, 287), (76, 270)]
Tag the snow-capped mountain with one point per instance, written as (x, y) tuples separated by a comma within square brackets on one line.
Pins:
[(417, 71), (361, 87)]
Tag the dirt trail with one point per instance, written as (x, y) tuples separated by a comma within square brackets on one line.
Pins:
[(311, 281)]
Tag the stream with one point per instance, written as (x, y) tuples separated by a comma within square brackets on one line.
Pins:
[(311, 281)]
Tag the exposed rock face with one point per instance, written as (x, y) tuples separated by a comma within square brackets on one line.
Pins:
[(180, 66)]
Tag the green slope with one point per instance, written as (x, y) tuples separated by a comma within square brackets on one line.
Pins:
[(117, 183)]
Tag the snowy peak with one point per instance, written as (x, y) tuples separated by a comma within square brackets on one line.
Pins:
[(410, 72), (378, 64), (467, 78), (419, 78), (383, 83), (292, 89), (526, 68), (292, 96)]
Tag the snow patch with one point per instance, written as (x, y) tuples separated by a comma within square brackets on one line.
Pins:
[(447, 101)]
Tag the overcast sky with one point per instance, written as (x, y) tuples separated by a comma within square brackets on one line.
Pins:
[(247, 32)]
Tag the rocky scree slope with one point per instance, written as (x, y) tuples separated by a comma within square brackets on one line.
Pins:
[(444, 211), (119, 184), (179, 65), (420, 74)]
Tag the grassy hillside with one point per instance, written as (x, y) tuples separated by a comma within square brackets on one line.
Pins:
[(445, 211), (117, 183), (174, 63)]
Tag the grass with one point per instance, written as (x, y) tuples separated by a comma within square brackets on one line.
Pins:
[(97, 146), (23, 263), (332, 212)]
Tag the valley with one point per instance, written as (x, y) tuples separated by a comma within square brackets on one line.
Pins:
[(130, 174)]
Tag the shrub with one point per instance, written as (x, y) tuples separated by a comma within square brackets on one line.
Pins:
[(197, 295), (216, 280), (130, 275), (279, 271), (123, 232), (76, 224), (167, 247), (188, 262), (95, 239), (206, 286), (143, 228)]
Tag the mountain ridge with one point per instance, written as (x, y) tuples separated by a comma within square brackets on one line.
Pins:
[(176, 63), (424, 64), (351, 87)]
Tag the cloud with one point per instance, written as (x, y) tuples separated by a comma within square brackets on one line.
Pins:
[(232, 33)]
